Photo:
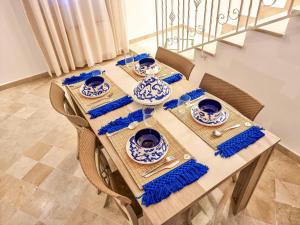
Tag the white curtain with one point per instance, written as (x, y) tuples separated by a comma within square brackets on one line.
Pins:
[(76, 33)]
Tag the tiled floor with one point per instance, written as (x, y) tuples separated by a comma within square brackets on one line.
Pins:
[(41, 182)]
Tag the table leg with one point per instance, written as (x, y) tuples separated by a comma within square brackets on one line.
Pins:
[(247, 181)]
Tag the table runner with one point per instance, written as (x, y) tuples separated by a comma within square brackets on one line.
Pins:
[(87, 103), (119, 142), (164, 70), (205, 132)]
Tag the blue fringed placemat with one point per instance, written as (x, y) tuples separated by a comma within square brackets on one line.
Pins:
[(173, 78), (239, 142), (132, 59), (81, 77), (193, 94), (122, 122), (111, 106), (173, 181)]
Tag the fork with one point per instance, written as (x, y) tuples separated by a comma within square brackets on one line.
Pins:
[(105, 97), (169, 166)]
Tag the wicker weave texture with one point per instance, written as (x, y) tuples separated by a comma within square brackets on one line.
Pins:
[(205, 132), (243, 102), (60, 104), (129, 68), (119, 142), (174, 60), (87, 103)]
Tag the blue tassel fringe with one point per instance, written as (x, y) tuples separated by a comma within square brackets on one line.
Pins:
[(174, 78), (81, 77), (132, 59), (122, 122), (239, 142), (102, 110), (193, 94), (173, 181)]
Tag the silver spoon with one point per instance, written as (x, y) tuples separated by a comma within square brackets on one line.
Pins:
[(131, 126), (105, 97), (219, 133), (167, 159)]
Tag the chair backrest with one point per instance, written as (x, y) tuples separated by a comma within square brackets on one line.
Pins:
[(174, 60), (243, 102), (87, 144), (60, 103)]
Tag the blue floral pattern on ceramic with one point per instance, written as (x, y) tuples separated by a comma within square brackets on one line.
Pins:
[(209, 110), (149, 155), (217, 122), (151, 91), (94, 87), (141, 70)]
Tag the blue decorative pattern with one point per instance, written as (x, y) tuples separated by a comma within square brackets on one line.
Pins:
[(149, 155), (122, 122), (193, 94), (110, 106), (174, 78), (239, 142), (151, 89), (132, 59), (91, 91), (81, 77), (173, 181)]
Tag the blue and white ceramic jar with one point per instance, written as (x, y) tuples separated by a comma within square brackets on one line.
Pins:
[(94, 87), (151, 91)]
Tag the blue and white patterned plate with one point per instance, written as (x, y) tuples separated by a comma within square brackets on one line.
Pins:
[(219, 121), (151, 91), (154, 154), (141, 70), (90, 92)]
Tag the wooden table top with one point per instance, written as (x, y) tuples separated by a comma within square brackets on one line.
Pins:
[(219, 168)]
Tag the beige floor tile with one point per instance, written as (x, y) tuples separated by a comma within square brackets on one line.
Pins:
[(54, 156), (37, 151), (15, 192), (82, 217), (21, 167), (21, 218), (91, 201), (66, 189), (57, 215), (39, 223), (6, 212), (39, 204), (25, 112), (287, 193), (287, 215), (70, 163), (38, 174)]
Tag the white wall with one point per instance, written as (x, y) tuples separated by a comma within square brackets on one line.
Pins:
[(268, 67), (140, 17), (20, 56)]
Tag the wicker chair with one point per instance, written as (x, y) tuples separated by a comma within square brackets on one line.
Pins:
[(61, 105), (243, 102), (119, 191), (174, 60)]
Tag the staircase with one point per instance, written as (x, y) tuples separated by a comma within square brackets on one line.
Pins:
[(262, 18)]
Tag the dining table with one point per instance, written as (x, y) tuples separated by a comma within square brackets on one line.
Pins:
[(249, 162)]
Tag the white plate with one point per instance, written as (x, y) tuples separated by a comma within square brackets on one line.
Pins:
[(93, 95), (221, 120), (143, 73), (131, 149)]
